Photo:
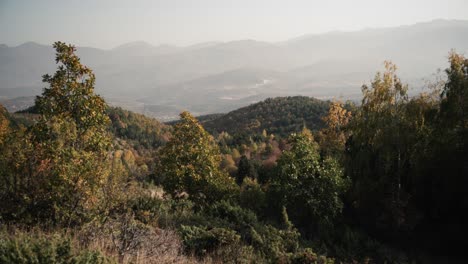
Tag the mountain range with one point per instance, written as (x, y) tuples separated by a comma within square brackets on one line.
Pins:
[(213, 77)]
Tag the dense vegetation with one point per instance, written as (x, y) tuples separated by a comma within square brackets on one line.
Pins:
[(144, 131), (280, 116), (384, 181)]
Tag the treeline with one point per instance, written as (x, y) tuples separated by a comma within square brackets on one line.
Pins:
[(380, 182), (408, 160)]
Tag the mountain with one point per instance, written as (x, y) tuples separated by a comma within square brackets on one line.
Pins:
[(141, 48), (218, 76), (18, 103), (280, 116)]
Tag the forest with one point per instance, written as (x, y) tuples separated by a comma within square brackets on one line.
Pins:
[(285, 180)]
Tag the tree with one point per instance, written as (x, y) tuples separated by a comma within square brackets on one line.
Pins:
[(228, 164), (447, 167), (452, 130), (245, 169), (60, 161), (20, 175), (4, 123), (190, 161), (388, 135), (309, 186), (454, 105), (333, 137), (235, 154), (70, 96)]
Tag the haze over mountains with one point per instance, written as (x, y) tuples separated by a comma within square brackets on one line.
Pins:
[(221, 76)]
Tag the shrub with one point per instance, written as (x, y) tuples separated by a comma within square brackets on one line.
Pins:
[(38, 247), (274, 243), (200, 240), (234, 214)]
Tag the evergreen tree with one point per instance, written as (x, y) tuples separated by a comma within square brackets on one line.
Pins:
[(244, 170)]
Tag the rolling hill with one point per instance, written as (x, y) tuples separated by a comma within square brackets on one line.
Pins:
[(280, 116)]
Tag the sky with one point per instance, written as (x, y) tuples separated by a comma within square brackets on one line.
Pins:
[(109, 23)]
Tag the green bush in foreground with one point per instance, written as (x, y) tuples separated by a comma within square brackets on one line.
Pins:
[(37, 247)]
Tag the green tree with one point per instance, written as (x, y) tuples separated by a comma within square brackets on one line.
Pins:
[(245, 169), (21, 172), (310, 187), (190, 161)]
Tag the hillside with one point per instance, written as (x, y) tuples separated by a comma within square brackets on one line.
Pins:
[(142, 130), (280, 115), (136, 129)]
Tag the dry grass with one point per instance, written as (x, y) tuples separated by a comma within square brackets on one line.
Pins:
[(130, 242)]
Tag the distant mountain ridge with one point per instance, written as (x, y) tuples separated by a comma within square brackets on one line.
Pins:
[(148, 78)]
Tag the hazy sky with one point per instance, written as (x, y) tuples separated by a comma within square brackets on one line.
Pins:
[(108, 23)]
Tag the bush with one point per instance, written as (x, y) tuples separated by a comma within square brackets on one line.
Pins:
[(201, 240), (146, 208), (37, 247), (233, 214), (274, 243)]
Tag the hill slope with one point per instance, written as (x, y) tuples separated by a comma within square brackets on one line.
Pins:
[(136, 129), (280, 116)]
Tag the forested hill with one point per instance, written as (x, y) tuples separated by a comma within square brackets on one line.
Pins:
[(147, 131), (280, 115), (137, 129)]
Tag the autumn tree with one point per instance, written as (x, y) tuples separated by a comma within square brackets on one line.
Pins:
[(454, 105), (70, 97), (60, 163), (228, 164), (388, 135), (190, 162), (4, 123), (447, 167), (332, 138)]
